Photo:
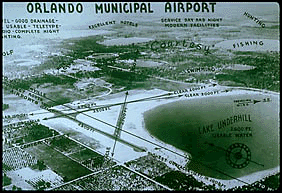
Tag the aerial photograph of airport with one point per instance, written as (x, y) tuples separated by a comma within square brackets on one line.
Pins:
[(141, 96)]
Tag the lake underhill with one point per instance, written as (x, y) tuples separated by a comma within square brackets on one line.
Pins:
[(228, 136)]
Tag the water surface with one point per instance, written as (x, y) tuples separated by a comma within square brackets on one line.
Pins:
[(196, 126)]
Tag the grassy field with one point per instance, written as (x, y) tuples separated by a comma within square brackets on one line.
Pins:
[(59, 163), (84, 155), (65, 145)]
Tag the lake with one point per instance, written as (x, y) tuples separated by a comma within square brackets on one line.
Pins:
[(208, 128)]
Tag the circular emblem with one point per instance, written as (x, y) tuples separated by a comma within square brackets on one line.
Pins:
[(238, 155)]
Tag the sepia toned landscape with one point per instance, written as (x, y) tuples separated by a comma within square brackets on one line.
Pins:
[(141, 104)]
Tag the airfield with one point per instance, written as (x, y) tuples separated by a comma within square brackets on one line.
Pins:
[(136, 141)]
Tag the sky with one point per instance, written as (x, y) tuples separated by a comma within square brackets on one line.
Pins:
[(88, 16), (75, 24)]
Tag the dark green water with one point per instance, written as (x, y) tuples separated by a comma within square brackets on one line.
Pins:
[(193, 125)]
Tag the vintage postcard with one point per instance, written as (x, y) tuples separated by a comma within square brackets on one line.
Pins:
[(141, 96)]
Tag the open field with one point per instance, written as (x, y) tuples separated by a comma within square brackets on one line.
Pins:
[(84, 154), (59, 163)]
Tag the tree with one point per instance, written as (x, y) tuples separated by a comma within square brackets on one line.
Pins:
[(14, 188), (5, 106), (41, 165), (48, 184)]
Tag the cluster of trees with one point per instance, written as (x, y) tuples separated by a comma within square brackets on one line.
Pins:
[(6, 180), (266, 75), (36, 131), (40, 165), (269, 183), (5, 106), (180, 181)]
